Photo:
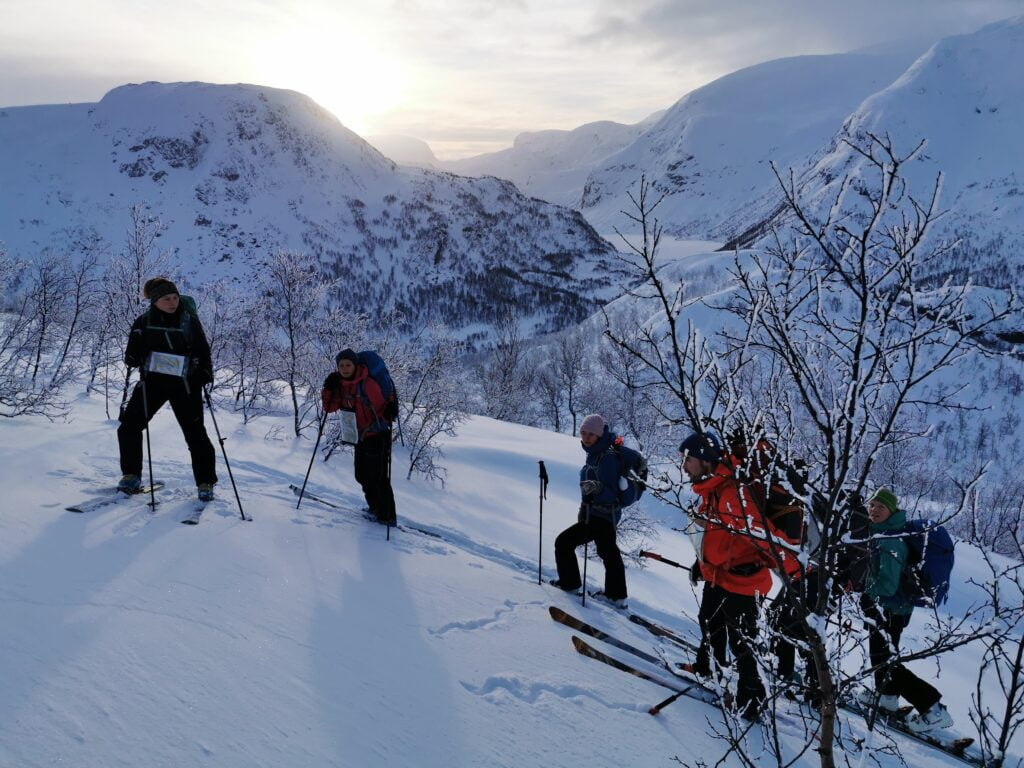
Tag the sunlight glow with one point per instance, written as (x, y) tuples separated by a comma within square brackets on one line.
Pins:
[(347, 75)]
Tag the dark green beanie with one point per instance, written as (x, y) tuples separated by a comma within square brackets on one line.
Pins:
[(888, 498)]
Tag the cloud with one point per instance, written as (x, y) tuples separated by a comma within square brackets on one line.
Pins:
[(469, 70)]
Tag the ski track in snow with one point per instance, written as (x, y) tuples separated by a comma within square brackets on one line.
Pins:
[(494, 687), (487, 622)]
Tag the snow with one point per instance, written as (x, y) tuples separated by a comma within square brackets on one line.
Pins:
[(553, 165), (304, 637)]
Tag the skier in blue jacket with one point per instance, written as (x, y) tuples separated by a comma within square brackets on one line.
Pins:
[(600, 512)]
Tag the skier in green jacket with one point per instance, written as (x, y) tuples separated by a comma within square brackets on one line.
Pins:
[(887, 611)]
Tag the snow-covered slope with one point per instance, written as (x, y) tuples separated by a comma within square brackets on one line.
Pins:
[(553, 165), (303, 638), (965, 97), (710, 153), (237, 172)]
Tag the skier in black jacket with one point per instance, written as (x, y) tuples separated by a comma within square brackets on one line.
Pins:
[(168, 346)]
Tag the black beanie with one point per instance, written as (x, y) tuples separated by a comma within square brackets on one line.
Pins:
[(161, 289), (347, 354), (702, 446)]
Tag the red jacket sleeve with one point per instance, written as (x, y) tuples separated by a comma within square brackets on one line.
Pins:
[(331, 399)]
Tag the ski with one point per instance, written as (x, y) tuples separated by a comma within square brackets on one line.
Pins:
[(693, 691), (319, 500), (105, 501), (371, 518), (599, 596), (197, 512), (957, 747), (581, 626), (664, 632)]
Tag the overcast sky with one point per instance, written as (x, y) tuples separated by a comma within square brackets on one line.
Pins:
[(464, 75)]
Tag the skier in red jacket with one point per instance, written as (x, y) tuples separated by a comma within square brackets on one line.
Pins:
[(735, 562), (351, 388)]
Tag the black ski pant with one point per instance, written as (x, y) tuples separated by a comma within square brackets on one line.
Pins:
[(601, 531), (373, 473), (728, 618), (893, 679), (147, 398), (787, 620), (711, 642)]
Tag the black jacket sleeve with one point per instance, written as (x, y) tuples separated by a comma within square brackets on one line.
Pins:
[(135, 351), (202, 359)]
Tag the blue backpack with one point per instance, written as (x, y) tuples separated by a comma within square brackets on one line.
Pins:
[(378, 371), (925, 578), (633, 467)]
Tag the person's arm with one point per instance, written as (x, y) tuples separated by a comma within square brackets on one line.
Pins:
[(202, 359), (135, 350), (330, 395)]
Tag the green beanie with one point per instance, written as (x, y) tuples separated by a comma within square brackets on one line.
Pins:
[(888, 498)]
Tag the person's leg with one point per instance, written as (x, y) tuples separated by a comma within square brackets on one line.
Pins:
[(784, 629), (880, 647), (903, 682), (188, 410), (365, 465), (565, 555), (750, 693), (714, 623), (384, 492), (136, 415), (608, 550)]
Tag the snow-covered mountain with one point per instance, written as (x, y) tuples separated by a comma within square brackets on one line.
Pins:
[(238, 172), (553, 165), (965, 98), (710, 152), (404, 150)]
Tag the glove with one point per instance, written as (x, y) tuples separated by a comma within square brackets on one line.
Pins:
[(695, 574), (200, 373), (333, 381), (590, 488)]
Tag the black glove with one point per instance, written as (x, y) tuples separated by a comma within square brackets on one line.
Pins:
[(201, 374), (333, 381), (695, 574)]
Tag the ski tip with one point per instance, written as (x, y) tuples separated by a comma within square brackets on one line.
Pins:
[(190, 522)]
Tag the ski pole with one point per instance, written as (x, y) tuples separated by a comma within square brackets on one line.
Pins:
[(319, 432), (224, 453), (149, 447), (586, 556), (656, 709), (391, 438), (656, 556), (540, 527), (398, 418)]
